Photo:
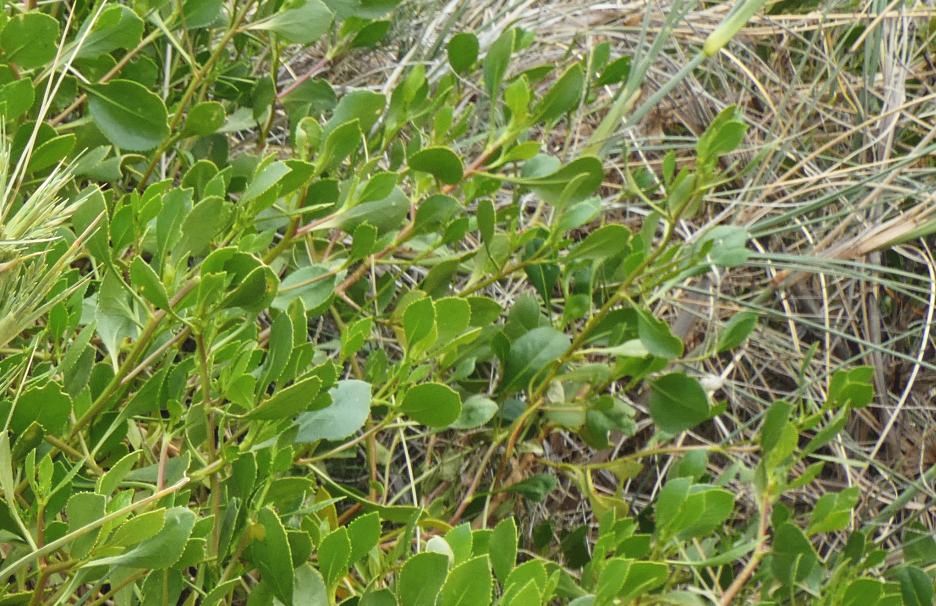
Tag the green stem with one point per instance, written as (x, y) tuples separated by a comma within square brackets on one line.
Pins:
[(190, 92), (149, 39), (139, 348), (205, 377), (80, 532), (51, 569), (112, 591)]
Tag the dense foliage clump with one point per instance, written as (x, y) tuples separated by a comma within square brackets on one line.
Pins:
[(276, 334)]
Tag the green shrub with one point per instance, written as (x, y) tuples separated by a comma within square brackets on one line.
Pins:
[(250, 330)]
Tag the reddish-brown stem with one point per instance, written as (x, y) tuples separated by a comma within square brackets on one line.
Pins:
[(311, 72), (759, 552), (473, 487), (349, 513), (476, 165), (106, 77)]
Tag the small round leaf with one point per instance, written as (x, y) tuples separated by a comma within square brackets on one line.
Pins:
[(29, 40), (440, 162), (432, 404), (204, 119), (463, 52)]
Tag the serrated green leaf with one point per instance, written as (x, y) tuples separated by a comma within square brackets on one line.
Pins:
[(334, 554), (460, 540), (314, 284), (487, 218), (363, 241), (568, 184), (257, 289), (268, 177), (531, 571), (793, 555), (273, 555), (916, 587), (162, 550), (362, 105), (476, 411), (51, 152), (421, 578), (386, 215), (47, 404), (469, 584), (364, 533), (139, 528), (112, 478), (453, 317), (309, 587), (83, 508), (502, 548)]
